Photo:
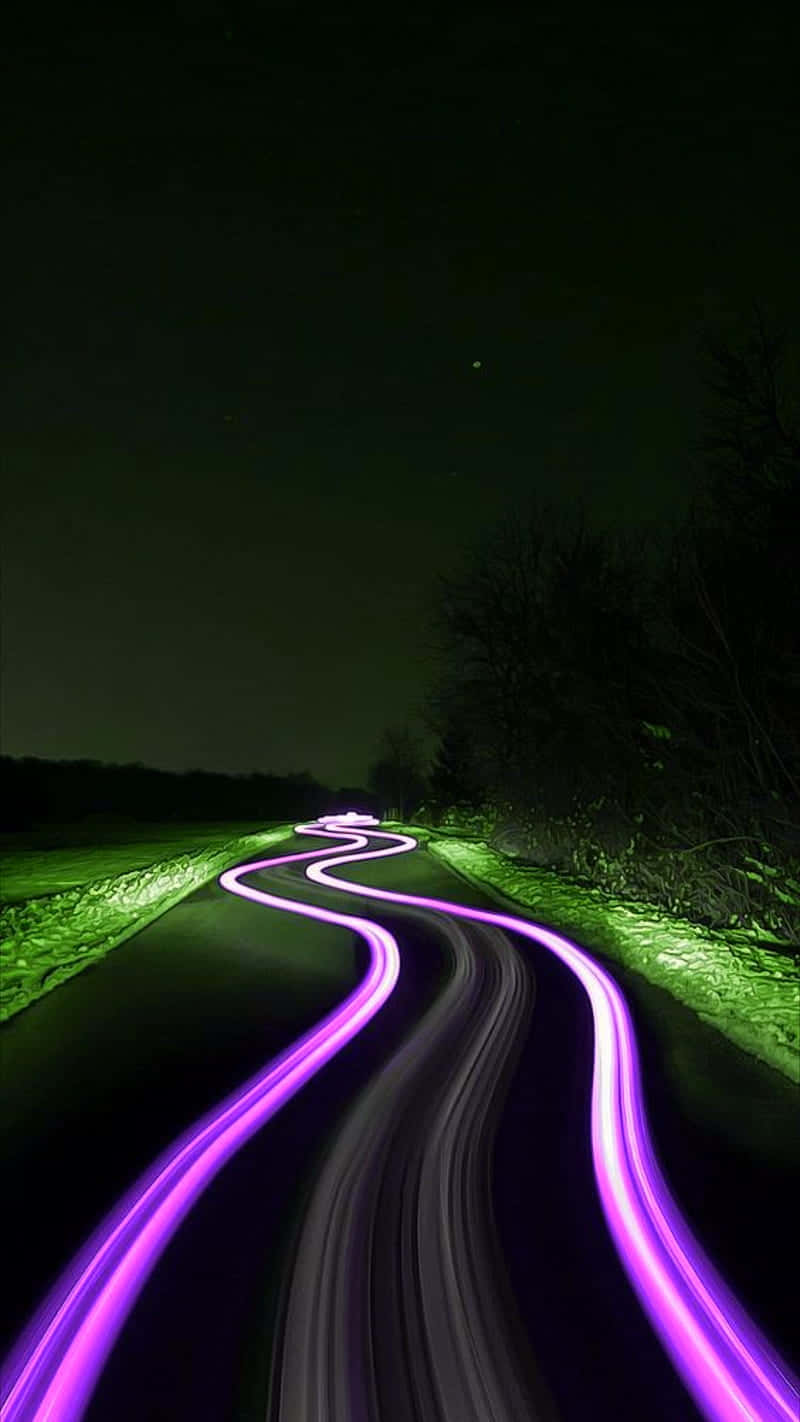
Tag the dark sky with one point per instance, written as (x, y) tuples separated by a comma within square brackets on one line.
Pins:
[(253, 263)]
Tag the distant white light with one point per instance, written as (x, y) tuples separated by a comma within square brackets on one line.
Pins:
[(476, 365), (352, 817)]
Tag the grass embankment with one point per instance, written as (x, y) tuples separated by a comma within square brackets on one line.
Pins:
[(747, 990), (66, 907)]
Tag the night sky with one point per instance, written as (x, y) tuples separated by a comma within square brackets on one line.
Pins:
[(256, 255)]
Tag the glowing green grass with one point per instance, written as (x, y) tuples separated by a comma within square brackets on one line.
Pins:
[(46, 940), (47, 862), (748, 991)]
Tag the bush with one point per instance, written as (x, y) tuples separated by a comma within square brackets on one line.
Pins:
[(735, 881)]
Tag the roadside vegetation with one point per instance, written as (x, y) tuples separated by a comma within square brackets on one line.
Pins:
[(92, 852), (624, 716), (47, 937), (746, 988), (627, 712), (58, 858)]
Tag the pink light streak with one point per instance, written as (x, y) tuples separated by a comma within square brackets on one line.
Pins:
[(728, 1366), (730, 1369), (54, 1368)]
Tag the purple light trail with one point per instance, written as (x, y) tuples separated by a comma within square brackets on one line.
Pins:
[(730, 1369), (728, 1366), (53, 1369)]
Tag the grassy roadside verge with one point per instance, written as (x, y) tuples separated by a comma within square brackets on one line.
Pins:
[(48, 939), (748, 991), (56, 858)]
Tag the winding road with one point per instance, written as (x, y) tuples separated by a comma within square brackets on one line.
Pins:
[(397, 1305), (391, 1312)]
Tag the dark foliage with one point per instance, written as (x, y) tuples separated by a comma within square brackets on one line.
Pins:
[(41, 792), (455, 777), (397, 775), (657, 684)]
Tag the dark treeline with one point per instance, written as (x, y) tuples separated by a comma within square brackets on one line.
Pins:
[(45, 792), (599, 697)]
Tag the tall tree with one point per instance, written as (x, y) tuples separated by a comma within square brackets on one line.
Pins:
[(543, 655), (734, 586), (455, 778), (397, 775)]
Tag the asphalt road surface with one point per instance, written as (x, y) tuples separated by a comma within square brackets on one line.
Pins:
[(417, 1234)]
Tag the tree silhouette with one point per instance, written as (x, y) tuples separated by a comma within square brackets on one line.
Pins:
[(733, 581), (397, 775)]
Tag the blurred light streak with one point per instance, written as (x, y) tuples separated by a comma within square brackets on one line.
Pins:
[(54, 1367), (727, 1365), (730, 1369)]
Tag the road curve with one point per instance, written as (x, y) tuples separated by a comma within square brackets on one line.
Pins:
[(395, 1311), (53, 1368), (727, 1365), (730, 1369)]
